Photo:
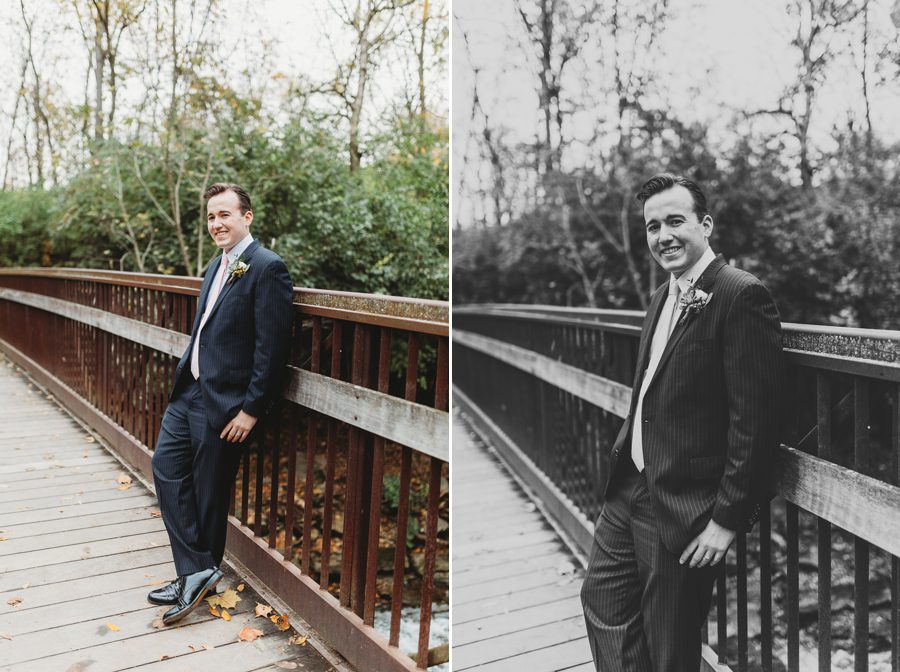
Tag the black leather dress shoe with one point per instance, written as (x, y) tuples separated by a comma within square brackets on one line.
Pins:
[(169, 593), (194, 588)]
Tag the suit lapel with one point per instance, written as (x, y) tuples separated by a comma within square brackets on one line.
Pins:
[(704, 283), (247, 254)]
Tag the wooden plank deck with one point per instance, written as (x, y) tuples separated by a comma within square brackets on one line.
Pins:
[(515, 598), (79, 551)]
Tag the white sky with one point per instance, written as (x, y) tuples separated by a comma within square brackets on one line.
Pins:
[(739, 48), (295, 37)]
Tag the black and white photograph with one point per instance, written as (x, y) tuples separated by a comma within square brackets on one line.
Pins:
[(676, 432)]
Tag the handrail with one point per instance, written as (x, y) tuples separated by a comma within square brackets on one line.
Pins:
[(106, 343)]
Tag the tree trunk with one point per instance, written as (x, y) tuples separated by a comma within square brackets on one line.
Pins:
[(362, 55), (99, 63)]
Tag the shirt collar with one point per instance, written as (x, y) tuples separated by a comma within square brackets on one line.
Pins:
[(240, 248), (690, 276)]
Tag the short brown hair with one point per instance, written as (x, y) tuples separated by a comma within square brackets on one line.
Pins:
[(664, 181), (222, 187)]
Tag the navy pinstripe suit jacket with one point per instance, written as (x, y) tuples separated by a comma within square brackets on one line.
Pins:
[(711, 413), (245, 343)]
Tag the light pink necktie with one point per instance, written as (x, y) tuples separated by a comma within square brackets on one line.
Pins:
[(214, 291)]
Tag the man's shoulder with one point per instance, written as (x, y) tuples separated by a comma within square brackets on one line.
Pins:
[(265, 257), (735, 279)]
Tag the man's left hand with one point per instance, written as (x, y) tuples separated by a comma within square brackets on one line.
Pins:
[(709, 547), (239, 428)]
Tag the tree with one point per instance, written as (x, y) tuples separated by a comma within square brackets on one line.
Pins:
[(373, 24)]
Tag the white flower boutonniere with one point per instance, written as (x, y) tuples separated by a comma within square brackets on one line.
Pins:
[(237, 268), (693, 301)]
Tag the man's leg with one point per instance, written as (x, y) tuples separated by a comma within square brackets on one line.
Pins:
[(611, 593), (676, 598), (173, 477), (215, 467)]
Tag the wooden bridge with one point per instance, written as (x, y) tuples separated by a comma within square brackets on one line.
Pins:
[(816, 586), (335, 513)]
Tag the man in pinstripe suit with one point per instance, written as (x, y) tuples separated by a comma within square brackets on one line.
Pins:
[(689, 467), (226, 379)]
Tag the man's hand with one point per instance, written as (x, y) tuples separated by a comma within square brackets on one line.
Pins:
[(239, 428), (708, 547)]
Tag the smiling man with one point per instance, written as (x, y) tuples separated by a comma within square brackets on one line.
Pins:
[(227, 378), (689, 467)]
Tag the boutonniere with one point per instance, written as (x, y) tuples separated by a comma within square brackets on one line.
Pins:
[(693, 301), (237, 268)]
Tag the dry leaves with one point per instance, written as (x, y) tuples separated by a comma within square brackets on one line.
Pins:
[(283, 622), (263, 610), (155, 513), (13, 601), (299, 640), (158, 623), (113, 627), (225, 615), (240, 587), (125, 480), (89, 438), (5, 635), (207, 647), (4, 539), (249, 634), (214, 612), (227, 599)]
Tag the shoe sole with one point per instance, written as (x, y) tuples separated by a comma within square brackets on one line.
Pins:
[(184, 612)]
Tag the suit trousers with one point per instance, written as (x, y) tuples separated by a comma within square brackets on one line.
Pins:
[(193, 470), (644, 611)]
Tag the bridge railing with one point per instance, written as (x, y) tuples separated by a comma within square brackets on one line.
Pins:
[(342, 503), (818, 580)]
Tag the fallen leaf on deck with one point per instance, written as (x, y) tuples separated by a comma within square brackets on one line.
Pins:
[(13, 601), (214, 612), (248, 634), (156, 513), (225, 615), (89, 438), (207, 647), (113, 627), (240, 587), (286, 665), (5, 635), (299, 640), (4, 539), (163, 657), (158, 623), (283, 622), (123, 478), (227, 599), (124, 486), (263, 610), (192, 647)]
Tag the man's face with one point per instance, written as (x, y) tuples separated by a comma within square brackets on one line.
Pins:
[(224, 220), (675, 237)]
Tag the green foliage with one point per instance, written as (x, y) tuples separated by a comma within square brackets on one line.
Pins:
[(380, 230), (25, 229)]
